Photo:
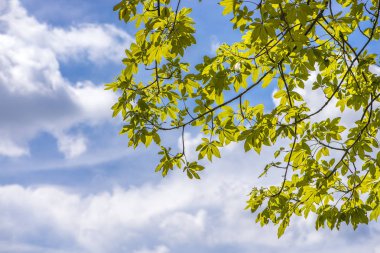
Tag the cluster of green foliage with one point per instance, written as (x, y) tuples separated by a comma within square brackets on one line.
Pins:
[(282, 42)]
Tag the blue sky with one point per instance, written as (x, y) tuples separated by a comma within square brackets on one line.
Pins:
[(68, 182)]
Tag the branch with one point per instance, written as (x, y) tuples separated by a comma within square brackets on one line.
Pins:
[(245, 91)]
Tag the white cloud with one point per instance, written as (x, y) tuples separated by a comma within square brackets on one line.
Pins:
[(34, 95), (71, 146), (96, 43), (158, 249), (8, 148), (174, 214), (375, 69), (215, 44), (183, 227)]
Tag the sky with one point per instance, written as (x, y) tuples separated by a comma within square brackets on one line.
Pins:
[(68, 181)]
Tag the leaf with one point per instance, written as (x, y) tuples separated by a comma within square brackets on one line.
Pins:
[(281, 229), (267, 80)]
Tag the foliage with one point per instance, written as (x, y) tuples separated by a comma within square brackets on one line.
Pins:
[(329, 169)]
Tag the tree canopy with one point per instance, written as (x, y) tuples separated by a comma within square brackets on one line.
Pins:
[(329, 168)]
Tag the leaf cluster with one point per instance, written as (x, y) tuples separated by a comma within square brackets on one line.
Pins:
[(329, 168)]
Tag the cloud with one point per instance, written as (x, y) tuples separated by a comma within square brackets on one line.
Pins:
[(158, 249), (71, 146), (8, 148), (183, 227), (215, 44), (34, 95), (174, 215), (375, 69)]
